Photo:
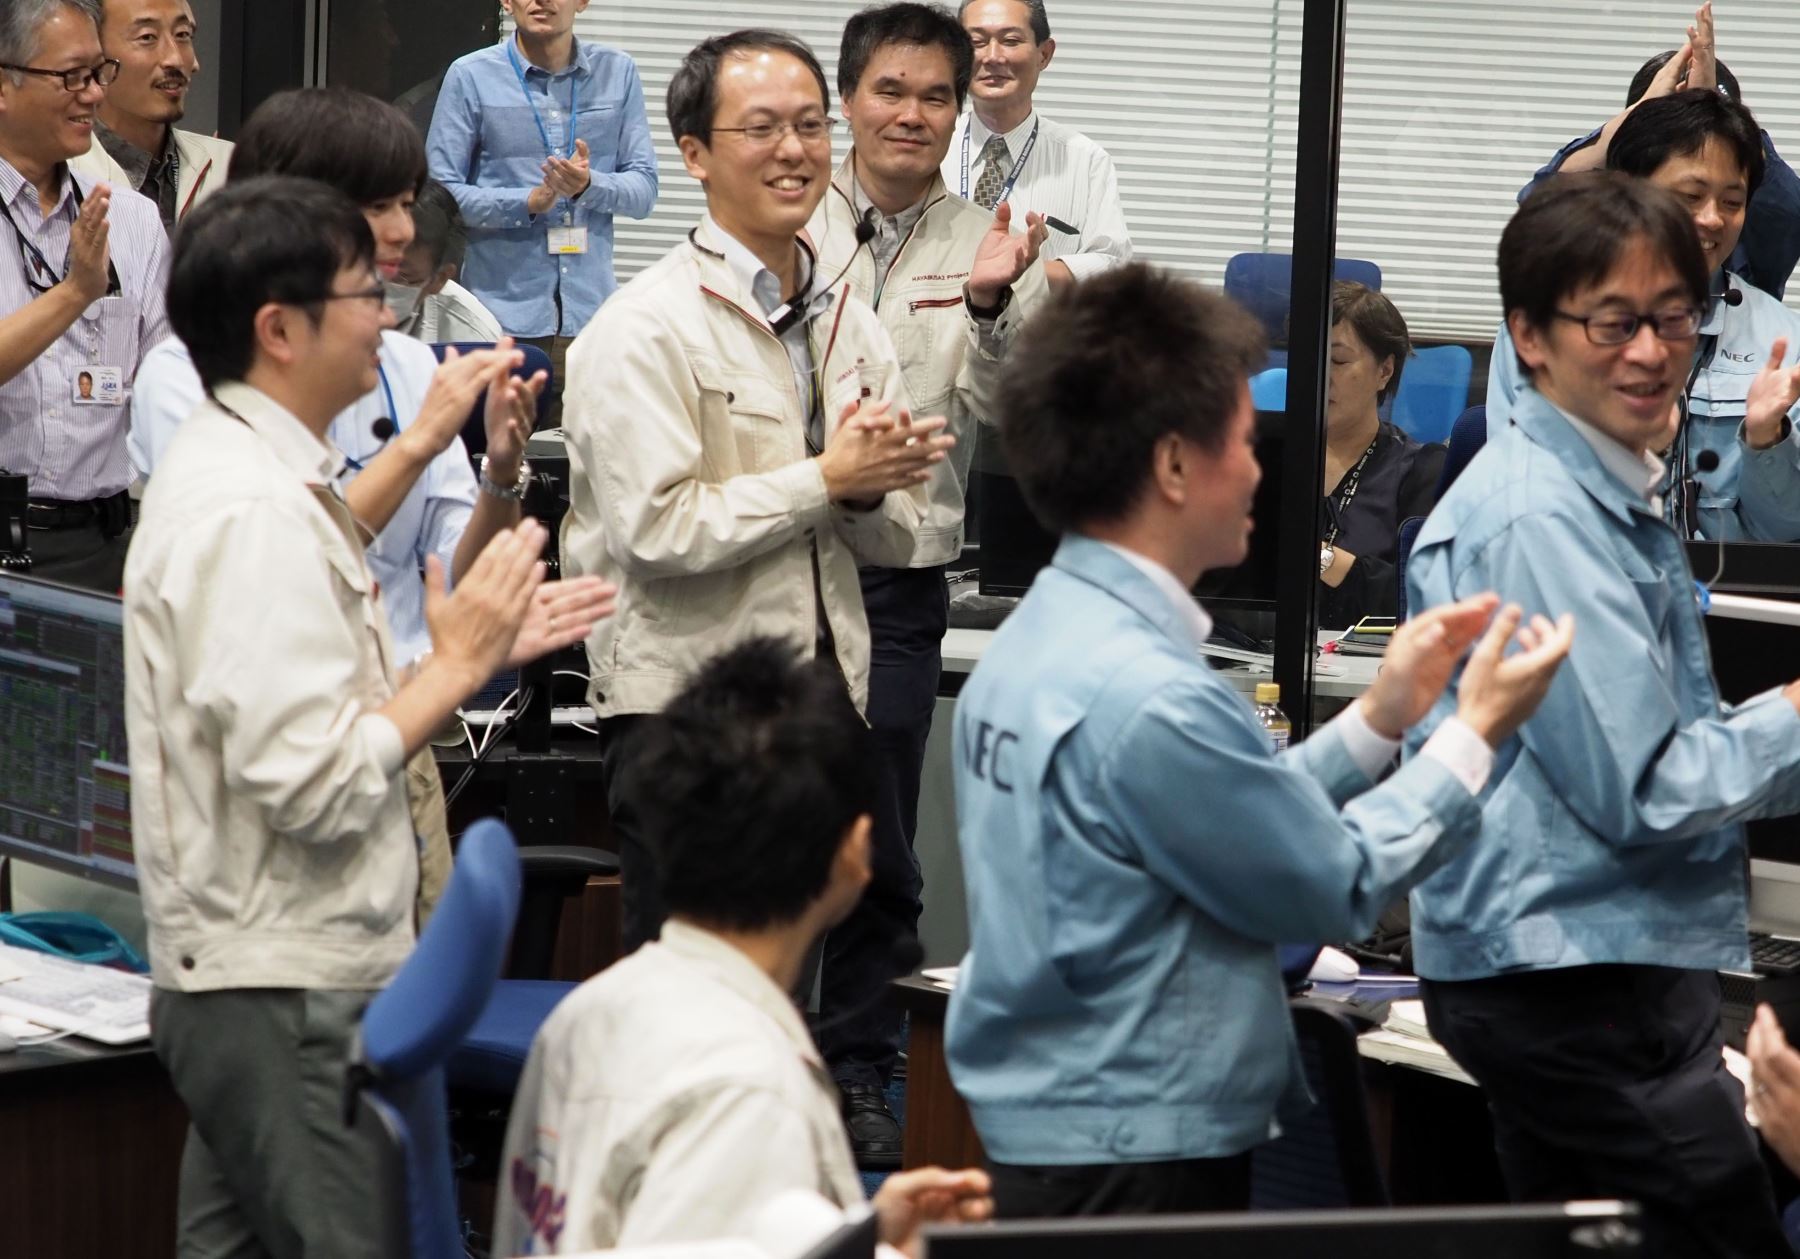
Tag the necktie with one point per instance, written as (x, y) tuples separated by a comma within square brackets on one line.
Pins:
[(993, 174)]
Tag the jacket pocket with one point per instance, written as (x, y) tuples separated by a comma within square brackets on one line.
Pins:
[(742, 414)]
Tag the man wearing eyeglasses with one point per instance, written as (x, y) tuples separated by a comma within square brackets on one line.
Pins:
[(1570, 953), (53, 77), (738, 425), (1733, 456), (136, 144), (941, 274)]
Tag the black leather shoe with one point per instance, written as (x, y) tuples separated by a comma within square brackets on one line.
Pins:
[(874, 1132)]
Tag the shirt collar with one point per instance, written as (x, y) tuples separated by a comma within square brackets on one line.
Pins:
[(737, 972), (577, 62), (313, 459), (758, 280), (1639, 473), (899, 224), (14, 186), (1015, 139), (135, 162), (1193, 617)]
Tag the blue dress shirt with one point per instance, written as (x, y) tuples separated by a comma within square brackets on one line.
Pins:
[(486, 148)]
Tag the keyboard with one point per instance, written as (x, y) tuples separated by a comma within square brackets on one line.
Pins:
[(1774, 955), (97, 1002)]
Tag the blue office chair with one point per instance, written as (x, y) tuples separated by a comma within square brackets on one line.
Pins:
[(1262, 284), (1327, 1158), (474, 431), (396, 1079), (1268, 389), (1467, 436), (1434, 388)]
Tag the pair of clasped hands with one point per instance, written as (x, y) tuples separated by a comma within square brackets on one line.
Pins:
[(1498, 691)]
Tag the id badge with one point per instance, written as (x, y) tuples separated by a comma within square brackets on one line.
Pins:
[(568, 240), (99, 387)]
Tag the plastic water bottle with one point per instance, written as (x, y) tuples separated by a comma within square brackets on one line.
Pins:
[(1268, 712)]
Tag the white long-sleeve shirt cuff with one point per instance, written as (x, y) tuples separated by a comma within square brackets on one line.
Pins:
[(1457, 747), (1371, 752)]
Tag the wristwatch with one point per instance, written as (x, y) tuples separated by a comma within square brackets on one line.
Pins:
[(989, 312), (1327, 554), (514, 493)]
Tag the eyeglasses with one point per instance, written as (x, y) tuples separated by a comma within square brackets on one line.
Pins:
[(1677, 323), (376, 293), (75, 80), (810, 130)]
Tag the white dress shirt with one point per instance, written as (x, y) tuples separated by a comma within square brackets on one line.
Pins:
[(450, 315), (69, 451), (1065, 175), (1453, 744)]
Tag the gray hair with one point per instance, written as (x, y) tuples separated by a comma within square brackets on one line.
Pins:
[(22, 27), (1039, 20)]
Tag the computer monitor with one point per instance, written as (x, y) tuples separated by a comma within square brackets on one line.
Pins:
[(65, 791), (1014, 546), (1546, 1231)]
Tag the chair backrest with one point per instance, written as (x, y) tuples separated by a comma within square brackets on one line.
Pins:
[(1403, 546), (1467, 436), (1433, 391), (1268, 389), (1327, 1158), (474, 430), (1262, 283), (414, 1023)]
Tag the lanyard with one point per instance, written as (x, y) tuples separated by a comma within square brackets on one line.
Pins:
[(512, 55), (1024, 153), (37, 259), (1346, 493), (393, 414)]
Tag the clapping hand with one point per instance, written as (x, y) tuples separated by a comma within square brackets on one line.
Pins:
[(88, 248), (1772, 395), (1003, 256)]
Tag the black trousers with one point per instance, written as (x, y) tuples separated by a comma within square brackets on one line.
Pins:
[(1194, 1184), (858, 1032), (640, 882), (81, 556), (1607, 1082)]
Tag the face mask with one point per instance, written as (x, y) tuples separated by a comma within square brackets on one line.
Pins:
[(403, 300)]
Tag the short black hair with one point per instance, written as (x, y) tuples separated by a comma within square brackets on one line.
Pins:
[(1377, 322), (1038, 19), (365, 148), (694, 90), (748, 782), (438, 226), (270, 239), (914, 25), (1572, 231), (1640, 82), (1117, 363), (1680, 124)]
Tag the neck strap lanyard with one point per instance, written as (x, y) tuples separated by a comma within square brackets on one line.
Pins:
[(512, 55), (393, 414), (42, 263), (1024, 153), (1346, 491)]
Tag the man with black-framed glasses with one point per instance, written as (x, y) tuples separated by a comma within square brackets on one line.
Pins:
[(53, 76), (1570, 953)]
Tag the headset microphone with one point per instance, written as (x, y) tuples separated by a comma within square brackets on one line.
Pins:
[(795, 311), (1732, 297), (382, 428)]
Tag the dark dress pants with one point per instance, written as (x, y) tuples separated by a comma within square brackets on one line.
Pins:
[(858, 1032), (1195, 1184), (1607, 1082), (640, 881)]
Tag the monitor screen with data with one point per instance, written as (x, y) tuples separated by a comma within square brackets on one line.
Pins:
[(65, 792)]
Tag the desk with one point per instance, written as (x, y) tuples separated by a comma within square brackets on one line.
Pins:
[(90, 1151), (1433, 1133)]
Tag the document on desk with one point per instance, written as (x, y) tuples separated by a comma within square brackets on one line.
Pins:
[(1406, 1041), (942, 976)]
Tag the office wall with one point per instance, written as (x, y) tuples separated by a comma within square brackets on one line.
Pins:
[(1448, 108)]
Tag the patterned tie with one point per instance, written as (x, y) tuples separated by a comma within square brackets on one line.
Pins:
[(993, 174)]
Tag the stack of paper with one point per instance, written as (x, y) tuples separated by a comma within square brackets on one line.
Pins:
[(1406, 1040)]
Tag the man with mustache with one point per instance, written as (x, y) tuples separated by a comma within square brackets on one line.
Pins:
[(136, 144), (1004, 150)]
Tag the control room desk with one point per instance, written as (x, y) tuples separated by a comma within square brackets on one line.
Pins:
[(90, 1151)]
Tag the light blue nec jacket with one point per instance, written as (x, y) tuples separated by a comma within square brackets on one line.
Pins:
[(1752, 495), (1612, 823), (1133, 851)]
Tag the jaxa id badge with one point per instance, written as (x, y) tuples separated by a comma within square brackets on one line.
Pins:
[(568, 240), (98, 386)]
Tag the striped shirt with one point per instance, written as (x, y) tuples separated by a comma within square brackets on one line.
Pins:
[(1066, 175), (72, 452)]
